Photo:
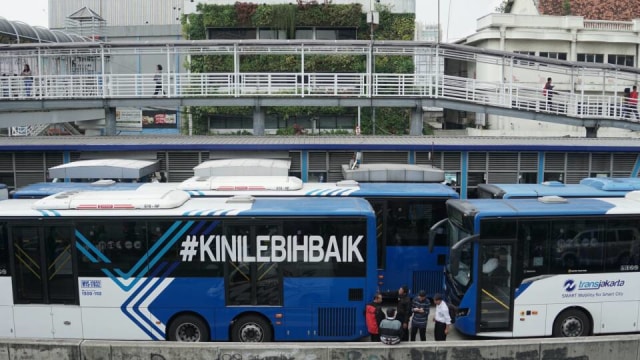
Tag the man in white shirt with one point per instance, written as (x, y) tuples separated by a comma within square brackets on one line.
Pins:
[(441, 318)]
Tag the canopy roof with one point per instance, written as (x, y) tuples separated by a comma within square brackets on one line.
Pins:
[(25, 33)]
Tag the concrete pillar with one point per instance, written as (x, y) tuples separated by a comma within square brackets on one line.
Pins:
[(573, 54), (592, 132), (416, 125), (109, 121), (258, 121)]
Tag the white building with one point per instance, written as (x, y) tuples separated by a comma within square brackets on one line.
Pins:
[(594, 34), (152, 13)]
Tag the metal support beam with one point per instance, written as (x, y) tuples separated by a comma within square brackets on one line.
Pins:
[(258, 121), (9, 119), (110, 121), (415, 128)]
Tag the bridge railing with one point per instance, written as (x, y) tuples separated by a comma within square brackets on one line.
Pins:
[(506, 95)]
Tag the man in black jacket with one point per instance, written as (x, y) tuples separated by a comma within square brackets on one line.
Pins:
[(404, 310)]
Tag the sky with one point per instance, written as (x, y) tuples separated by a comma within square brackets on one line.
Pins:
[(461, 22), (33, 12), (458, 23)]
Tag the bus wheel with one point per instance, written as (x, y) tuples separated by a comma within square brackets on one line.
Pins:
[(251, 328), (188, 328), (571, 323)]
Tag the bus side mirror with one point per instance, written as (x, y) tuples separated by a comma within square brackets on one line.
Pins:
[(434, 231), (454, 263)]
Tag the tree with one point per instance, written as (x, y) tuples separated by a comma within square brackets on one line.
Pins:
[(566, 7), (502, 7)]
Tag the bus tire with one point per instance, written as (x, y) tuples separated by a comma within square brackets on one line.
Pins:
[(251, 328), (572, 323), (188, 328)]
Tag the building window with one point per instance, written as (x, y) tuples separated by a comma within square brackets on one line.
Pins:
[(231, 33), (329, 34), (272, 34), (304, 34), (591, 58), (524, 62), (554, 55), (219, 122), (625, 60)]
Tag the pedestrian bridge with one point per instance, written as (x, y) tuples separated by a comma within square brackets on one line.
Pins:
[(73, 82)]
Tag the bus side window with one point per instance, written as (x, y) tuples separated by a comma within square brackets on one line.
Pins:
[(622, 247), (4, 251), (534, 237)]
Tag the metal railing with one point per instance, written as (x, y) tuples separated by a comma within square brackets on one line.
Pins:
[(190, 85)]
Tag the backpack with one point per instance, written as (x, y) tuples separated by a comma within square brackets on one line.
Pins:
[(453, 312)]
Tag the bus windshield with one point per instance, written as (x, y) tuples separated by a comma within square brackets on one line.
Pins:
[(461, 256)]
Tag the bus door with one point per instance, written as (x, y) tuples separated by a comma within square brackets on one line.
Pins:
[(250, 282), (380, 208), (495, 286), (45, 282), (6, 295)]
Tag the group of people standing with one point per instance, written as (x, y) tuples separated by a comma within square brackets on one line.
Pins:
[(629, 101), (394, 327)]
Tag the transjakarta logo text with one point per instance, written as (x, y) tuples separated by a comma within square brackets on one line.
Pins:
[(599, 284), (271, 248)]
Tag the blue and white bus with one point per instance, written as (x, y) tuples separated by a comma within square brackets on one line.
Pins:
[(588, 187), (550, 266), (159, 265), (44, 189), (405, 212)]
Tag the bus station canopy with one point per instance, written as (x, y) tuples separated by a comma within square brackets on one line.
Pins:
[(105, 169)]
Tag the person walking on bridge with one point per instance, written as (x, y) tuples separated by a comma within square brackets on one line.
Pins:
[(28, 79), (157, 78), (633, 102), (547, 91)]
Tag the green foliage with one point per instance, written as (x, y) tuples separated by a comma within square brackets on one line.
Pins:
[(287, 17), (566, 7), (394, 64), (330, 15), (217, 16), (244, 12), (286, 131), (270, 63), (279, 16), (335, 63), (193, 27), (284, 18), (336, 132), (200, 125), (395, 26), (502, 7), (389, 121)]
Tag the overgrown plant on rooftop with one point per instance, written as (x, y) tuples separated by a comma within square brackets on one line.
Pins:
[(288, 17)]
